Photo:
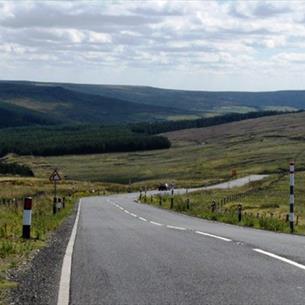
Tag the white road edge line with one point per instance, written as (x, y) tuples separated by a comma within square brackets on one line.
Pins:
[(64, 284), (141, 218), (176, 228), (134, 215), (280, 258), (212, 235), (156, 223)]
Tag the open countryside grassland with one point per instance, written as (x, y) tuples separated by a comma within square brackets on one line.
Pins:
[(262, 146), (13, 249), (198, 156), (206, 156)]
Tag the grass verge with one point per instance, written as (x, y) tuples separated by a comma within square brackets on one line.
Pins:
[(265, 204), (14, 250)]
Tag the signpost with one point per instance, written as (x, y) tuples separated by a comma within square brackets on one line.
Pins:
[(55, 177)]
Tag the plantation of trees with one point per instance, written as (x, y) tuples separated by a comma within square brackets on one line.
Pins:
[(88, 139), (159, 127), (15, 169), (46, 141)]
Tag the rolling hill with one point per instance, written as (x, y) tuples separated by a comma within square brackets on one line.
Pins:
[(44, 104), (197, 156), (200, 101)]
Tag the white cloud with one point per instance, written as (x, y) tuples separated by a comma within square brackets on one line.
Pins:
[(209, 37)]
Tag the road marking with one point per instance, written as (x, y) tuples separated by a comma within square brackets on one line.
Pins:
[(280, 258), (212, 235), (64, 284), (176, 228), (142, 218), (156, 223), (134, 215), (127, 212)]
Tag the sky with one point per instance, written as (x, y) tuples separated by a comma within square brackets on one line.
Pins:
[(191, 45)]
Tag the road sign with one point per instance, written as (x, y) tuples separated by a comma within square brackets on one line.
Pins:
[(55, 176)]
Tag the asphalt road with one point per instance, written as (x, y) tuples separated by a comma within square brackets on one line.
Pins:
[(128, 253)]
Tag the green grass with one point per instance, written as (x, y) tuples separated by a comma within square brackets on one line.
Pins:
[(198, 157), (183, 117), (14, 250), (192, 165), (265, 204)]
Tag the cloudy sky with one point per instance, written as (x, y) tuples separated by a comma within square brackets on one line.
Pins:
[(202, 45)]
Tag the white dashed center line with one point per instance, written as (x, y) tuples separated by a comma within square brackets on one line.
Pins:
[(280, 258), (212, 235), (156, 223), (169, 226), (176, 228)]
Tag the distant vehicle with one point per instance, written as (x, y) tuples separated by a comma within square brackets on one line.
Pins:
[(163, 187), (171, 186)]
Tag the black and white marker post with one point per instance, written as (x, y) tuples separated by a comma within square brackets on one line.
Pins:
[(291, 200), (55, 178), (27, 218)]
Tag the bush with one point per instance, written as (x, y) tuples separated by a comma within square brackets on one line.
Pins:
[(272, 224)]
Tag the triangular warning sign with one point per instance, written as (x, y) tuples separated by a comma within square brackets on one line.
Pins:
[(55, 176)]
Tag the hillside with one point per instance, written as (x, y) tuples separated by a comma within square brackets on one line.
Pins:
[(287, 126), (45, 103), (200, 101), (197, 156)]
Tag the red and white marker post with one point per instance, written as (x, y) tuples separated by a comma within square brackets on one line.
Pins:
[(27, 218)]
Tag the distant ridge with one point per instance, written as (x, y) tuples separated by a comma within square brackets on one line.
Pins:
[(28, 102), (49, 103), (200, 101)]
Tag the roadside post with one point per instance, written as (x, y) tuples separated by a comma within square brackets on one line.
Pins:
[(187, 199), (172, 199), (58, 204), (239, 209), (27, 218), (54, 205), (213, 206), (55, 178), (291, 199), (129, 186)]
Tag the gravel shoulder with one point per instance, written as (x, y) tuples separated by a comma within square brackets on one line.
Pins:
[(38, 279)]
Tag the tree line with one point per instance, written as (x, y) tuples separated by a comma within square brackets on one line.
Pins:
[(81, 139), (15, 169), (160, 127)]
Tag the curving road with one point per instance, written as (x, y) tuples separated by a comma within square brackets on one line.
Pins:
[(127, 253)]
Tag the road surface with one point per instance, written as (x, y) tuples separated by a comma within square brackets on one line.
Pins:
[(127, 253)]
